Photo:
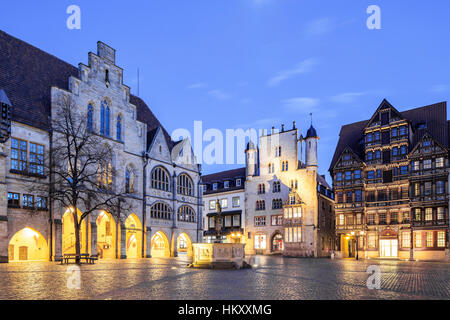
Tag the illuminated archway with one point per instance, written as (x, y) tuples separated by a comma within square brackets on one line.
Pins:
[(160, 245), (184, 245), (134, 237), (106, 236), (68, 238), (28, 245)]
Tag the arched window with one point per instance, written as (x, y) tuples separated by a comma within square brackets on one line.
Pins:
[(186, 214), (104, 175), (260, 205), (161, 210), (90, 115), (261, 189), (119, 128), (160, 179), (104, 118), (129, 180), (285, 166), (107, 112), (185, 185)]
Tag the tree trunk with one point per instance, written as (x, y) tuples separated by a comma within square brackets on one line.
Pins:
[(77, 237)]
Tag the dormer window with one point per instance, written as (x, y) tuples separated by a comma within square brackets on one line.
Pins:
[(369, 137), (215, 185), (427, 143), (238, 182), (403, 130), (346, 157), (205, 187), (226, 184), (422, 125)]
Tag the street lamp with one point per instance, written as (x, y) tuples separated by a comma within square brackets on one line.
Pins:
[(357, 244)]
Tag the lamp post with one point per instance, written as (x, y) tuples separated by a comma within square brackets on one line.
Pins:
[(361, 233)]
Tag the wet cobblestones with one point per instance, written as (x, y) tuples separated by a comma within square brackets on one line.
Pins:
[(272, 278)]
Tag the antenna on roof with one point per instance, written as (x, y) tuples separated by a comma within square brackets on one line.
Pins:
[(311, 117)]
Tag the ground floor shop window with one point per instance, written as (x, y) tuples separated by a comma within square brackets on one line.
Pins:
[(294, 234), (260, 241), (406, 239)]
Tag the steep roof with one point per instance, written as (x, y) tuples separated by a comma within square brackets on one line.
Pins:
[(224, 175), (27, 75), (435, 117)]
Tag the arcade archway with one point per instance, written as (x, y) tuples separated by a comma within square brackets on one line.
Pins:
[(134, 236), (68, 237), (160, 245), (28, 245), (184, 245), (106, 236)]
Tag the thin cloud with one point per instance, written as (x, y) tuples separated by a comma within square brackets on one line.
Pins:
[(198, 85), (301, 104), (302, 68), (219, 94), (320, 26), (347, 97)]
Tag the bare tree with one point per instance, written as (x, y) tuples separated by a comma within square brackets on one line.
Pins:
[(80, 168)]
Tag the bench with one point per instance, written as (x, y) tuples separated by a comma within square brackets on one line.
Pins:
[(84, 256)]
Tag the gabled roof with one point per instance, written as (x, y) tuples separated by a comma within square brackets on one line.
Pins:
[(435, 117), (224, 175), (27, 75)]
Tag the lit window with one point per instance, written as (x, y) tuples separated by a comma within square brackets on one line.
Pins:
[(260, 221), (440, 213), (415, 165), (215, 185), (129, 181), (430, 239), (418, 240), (417, 214), (441, 239), (428, 214), (212, 205), (427, 164), (238, 182), (440, 162), (260, 241), (406, 239), (224, 203), (372, 241)]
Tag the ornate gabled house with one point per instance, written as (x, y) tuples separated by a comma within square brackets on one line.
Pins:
[(390, 176), (157, 176)]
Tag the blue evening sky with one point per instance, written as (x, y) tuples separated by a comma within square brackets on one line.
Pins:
[(256, 63)]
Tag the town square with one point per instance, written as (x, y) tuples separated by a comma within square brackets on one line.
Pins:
[(238, 152)]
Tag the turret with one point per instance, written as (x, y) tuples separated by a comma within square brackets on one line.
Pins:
[(251, 159), (311, 141)]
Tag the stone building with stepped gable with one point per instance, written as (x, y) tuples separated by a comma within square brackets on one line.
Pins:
[(289, 207), (159, 177)]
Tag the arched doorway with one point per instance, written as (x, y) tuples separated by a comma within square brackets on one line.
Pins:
[(160, 245), (106, 236), (134, 236), (68, 238), (28, 245), (184, 245), (277, 243)]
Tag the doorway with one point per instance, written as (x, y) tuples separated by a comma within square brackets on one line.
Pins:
[(389, 248)]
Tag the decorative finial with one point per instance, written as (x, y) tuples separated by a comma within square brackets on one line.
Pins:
[(311, 117)]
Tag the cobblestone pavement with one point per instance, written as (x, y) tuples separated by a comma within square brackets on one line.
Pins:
[(272, 278)]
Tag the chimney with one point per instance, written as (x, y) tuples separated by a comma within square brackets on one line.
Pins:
[(293, 125), (273, 130), (282, 128)]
